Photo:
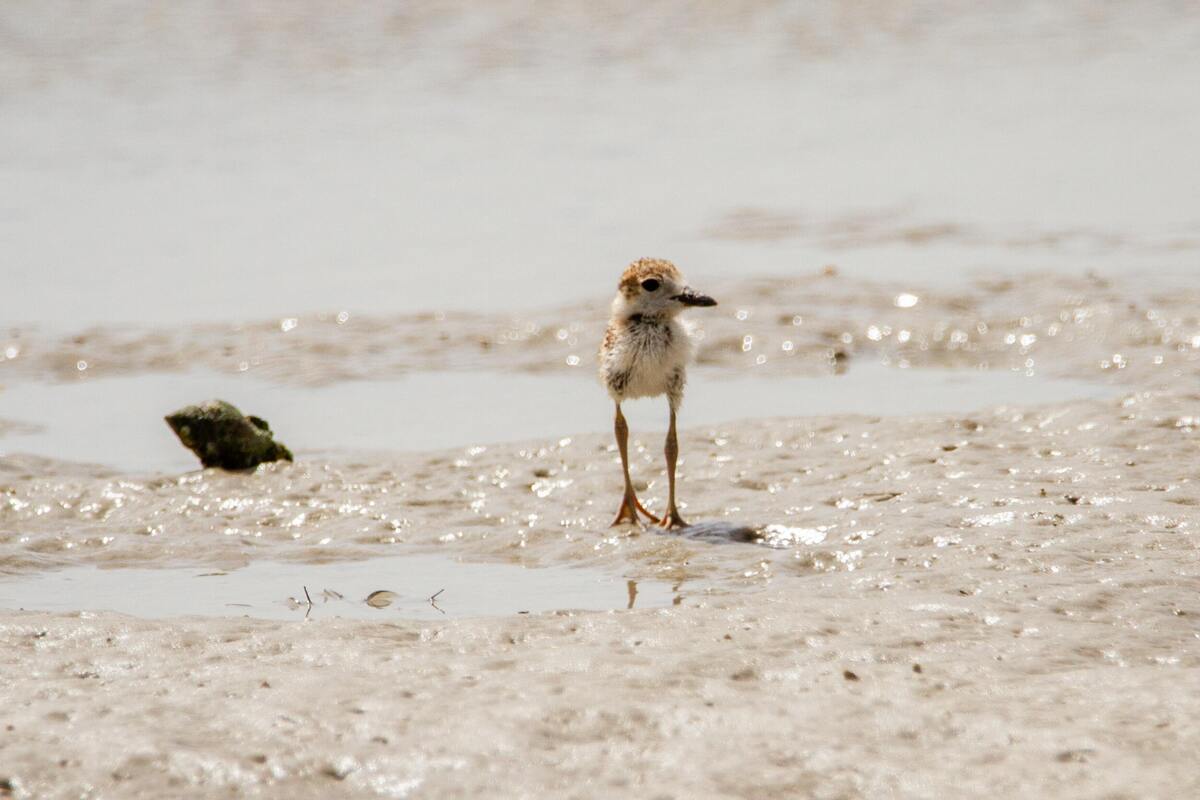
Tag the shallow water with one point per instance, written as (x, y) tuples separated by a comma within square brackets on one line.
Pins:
[(118, 422), (444, 163), (409, 587)]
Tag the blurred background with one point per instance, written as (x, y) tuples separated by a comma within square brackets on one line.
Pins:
[(204, 160)]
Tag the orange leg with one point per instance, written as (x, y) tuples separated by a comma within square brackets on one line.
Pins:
[(671, 519), (630, 506)]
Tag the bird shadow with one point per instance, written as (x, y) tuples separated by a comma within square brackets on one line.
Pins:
[(721, 532)]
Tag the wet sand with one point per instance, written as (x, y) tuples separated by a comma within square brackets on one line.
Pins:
[(1073, 324), (940, 447), (1001, 599)]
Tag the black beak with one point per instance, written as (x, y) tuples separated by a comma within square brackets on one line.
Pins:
[(690, 297)]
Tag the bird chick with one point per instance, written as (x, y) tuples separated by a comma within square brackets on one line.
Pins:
[(645, 353)]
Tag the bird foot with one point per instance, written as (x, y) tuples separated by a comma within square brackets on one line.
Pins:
[(628, 513), (626, 516), (671, 521)]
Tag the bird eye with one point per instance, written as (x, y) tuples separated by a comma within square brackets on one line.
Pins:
[(650, 285)]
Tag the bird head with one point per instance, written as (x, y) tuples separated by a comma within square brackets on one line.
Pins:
[(653, 287)]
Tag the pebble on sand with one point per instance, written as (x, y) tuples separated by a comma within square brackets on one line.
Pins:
[(222, 436)]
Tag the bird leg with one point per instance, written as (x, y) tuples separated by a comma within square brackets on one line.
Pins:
[(671, 519), (629, 503)]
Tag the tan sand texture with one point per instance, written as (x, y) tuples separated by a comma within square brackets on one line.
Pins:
[(1090, 326), (1000, 601), (996, 602)]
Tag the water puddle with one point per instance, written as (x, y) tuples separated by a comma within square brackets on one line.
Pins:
[(118, 421), (403, 587)]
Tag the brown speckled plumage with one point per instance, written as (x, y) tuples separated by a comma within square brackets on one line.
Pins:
[(645, 268), (644, 353)]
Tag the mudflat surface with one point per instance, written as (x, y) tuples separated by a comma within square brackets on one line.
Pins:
[(1013, 590), (940, 445)]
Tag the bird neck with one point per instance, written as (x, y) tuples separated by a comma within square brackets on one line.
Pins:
[(647, 318)]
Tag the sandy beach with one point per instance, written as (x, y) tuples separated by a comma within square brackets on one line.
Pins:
[(939, 445)]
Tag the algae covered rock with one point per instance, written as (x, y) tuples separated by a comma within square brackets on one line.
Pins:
[(222, 436)]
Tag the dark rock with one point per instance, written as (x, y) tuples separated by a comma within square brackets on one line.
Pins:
[(221, 436)]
